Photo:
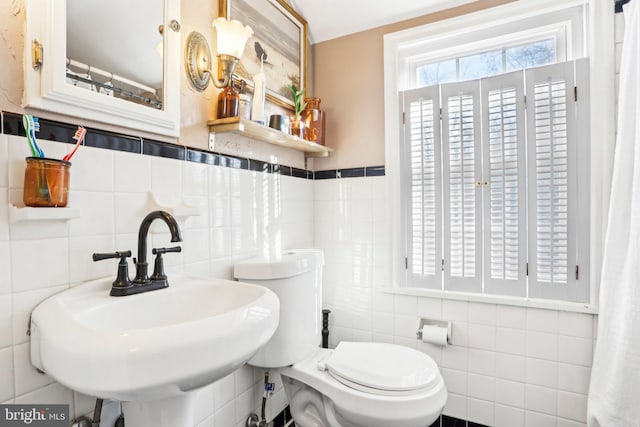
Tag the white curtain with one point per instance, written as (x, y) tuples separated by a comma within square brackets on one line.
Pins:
[(614, 393)]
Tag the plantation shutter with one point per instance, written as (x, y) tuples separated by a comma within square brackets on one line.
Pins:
[(462, 179), (503, 134), (496, 189), (552, 182), (422, 176)]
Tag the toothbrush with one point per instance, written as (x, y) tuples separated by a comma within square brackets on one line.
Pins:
[(79, 137), (45, 190), (31, 126), (34, 125), (26, 122)]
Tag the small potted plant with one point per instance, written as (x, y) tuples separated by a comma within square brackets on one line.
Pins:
[(297, 124)]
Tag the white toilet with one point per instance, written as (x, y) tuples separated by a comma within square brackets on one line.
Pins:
[(354, 385)]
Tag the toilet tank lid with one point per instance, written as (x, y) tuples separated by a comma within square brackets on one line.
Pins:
[(288, 264)]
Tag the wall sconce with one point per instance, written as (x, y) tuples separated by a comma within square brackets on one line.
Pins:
[(231, 39)]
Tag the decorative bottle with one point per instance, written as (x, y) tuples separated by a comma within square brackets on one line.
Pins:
[(259, 93), (313, 118), (228, 102), (244, 111), (298, 126)]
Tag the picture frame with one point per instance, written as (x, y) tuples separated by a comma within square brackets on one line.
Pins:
[(280, 34)]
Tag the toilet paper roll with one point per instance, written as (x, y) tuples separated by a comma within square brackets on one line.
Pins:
[(433, 334)]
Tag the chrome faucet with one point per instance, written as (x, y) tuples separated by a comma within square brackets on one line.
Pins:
[(123, 286)]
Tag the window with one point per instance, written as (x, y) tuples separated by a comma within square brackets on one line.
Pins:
[(528, 37), (491, 185), (579, 29), (489, 63)]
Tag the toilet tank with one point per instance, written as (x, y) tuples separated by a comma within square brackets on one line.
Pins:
[(296, 278)]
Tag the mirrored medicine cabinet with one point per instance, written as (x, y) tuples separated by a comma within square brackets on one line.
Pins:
[(115, 62)]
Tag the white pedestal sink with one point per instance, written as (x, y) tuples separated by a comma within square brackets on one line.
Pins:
[(152, 349)]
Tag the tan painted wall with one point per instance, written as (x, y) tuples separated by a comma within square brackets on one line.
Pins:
[(11, 41), (348, 75)]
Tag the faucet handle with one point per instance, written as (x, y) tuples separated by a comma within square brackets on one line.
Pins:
[(158, 268), (160, 251), (122, 255), (122, 279)]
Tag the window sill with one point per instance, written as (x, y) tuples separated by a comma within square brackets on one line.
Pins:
[(494, 299)]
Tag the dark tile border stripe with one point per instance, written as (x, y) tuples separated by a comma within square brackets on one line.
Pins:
[(282, 170), (330, 174), (11, 124), (233, 161), (260, 166), (63, 132), (115, 142), (374, 171), (350, 173), (163, 149), (446, 421), (301, 173), (205, 157)]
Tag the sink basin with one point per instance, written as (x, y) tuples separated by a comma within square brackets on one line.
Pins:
[(153, 346)]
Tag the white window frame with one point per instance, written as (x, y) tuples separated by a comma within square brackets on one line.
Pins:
[(599, 47)]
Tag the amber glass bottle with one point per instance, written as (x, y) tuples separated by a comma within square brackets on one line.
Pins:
[(228, 102), (314, 120)]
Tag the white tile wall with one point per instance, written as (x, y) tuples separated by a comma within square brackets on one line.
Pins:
[(6, 374), (23, 304), (29, 258), (6, 313), (4, 155), (244, 213), (4, 219), (507, 366), (508, 416)]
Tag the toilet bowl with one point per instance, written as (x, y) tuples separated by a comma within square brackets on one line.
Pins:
[(357, 384), (345, 388)]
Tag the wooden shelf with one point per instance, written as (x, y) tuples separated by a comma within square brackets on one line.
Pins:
[(266, 134)]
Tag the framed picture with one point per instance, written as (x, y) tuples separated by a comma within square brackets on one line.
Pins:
[(279, 38)]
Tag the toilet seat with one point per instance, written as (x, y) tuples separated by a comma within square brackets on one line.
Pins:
[(382, 369)]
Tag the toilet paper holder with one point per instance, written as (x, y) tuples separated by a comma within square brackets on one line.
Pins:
[(433, 322)]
